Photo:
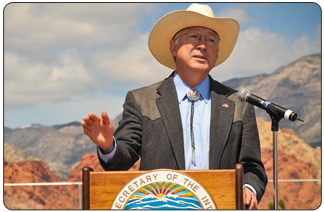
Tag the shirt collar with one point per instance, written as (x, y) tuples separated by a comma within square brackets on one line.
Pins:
[(182, 87)]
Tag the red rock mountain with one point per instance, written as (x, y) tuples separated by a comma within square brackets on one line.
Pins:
[(34, 197)]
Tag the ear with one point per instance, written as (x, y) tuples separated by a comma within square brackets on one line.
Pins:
[(217, 52), (173, 48)]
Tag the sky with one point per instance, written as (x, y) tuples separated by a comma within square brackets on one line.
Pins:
[(64, 60)]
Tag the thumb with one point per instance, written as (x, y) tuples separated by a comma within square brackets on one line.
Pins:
[(105, 117)]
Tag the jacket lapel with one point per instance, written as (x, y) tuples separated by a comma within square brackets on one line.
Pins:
[(170, 113), (222, 112)]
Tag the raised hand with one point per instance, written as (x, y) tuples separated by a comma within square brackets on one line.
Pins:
[(100, 130)]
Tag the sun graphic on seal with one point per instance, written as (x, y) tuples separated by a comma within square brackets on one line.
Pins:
[(161, 189)]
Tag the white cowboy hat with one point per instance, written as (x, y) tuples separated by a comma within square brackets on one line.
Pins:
[(196, 15)]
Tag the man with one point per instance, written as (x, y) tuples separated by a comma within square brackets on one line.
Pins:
[(187, 121)]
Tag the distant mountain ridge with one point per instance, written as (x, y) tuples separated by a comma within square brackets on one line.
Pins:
[(296, 86), (40, 126), (33, 126), (61, 147)]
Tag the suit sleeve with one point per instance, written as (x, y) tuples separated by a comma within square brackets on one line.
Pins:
[(128, 137), (250, 154)]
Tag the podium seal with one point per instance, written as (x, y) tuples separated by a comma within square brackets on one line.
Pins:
[(163, 190)]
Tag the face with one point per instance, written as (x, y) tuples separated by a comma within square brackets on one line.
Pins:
[(194, 57)]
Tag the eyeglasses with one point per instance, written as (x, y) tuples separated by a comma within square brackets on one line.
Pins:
[(194, 38)]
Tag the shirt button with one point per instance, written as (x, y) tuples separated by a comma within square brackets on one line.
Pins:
[(194, 126)]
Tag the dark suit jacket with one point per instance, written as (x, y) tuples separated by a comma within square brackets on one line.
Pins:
[(152, 129)]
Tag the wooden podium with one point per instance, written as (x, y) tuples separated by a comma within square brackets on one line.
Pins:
[(101, 189)]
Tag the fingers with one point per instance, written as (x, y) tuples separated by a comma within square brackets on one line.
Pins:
[(94, 117), (89, 121), (92, 120), (86, 126), (250, 199), (253, 204), (105, 117)]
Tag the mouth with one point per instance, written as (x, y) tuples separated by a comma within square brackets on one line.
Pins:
[(200, 57)]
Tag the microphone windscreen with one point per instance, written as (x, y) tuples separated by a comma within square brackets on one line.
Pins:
[(243, 94)]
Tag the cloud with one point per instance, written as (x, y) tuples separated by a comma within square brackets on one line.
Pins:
[(134, 65), (48, 48), (239, 13), (56, 52), (63, 112), (27, 83), (38, 26), (259, 51)]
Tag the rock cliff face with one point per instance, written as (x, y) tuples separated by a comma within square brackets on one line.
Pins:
[(291, 144), (34, 197), (300, 195), (296, 160)]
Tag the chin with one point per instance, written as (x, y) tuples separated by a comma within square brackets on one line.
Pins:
[(200, 66), (201, 69)]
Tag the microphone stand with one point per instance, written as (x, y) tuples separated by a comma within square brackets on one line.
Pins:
[(273, 110), (275, 118)]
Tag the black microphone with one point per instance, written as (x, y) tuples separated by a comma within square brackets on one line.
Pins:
[(245, 96)]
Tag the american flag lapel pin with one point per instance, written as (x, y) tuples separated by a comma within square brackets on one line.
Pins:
[(225, 105)]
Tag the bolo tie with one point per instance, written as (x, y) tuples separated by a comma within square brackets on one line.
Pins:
[(193, 94)]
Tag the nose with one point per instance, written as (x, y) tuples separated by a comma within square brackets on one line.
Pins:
[(201, 43)]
